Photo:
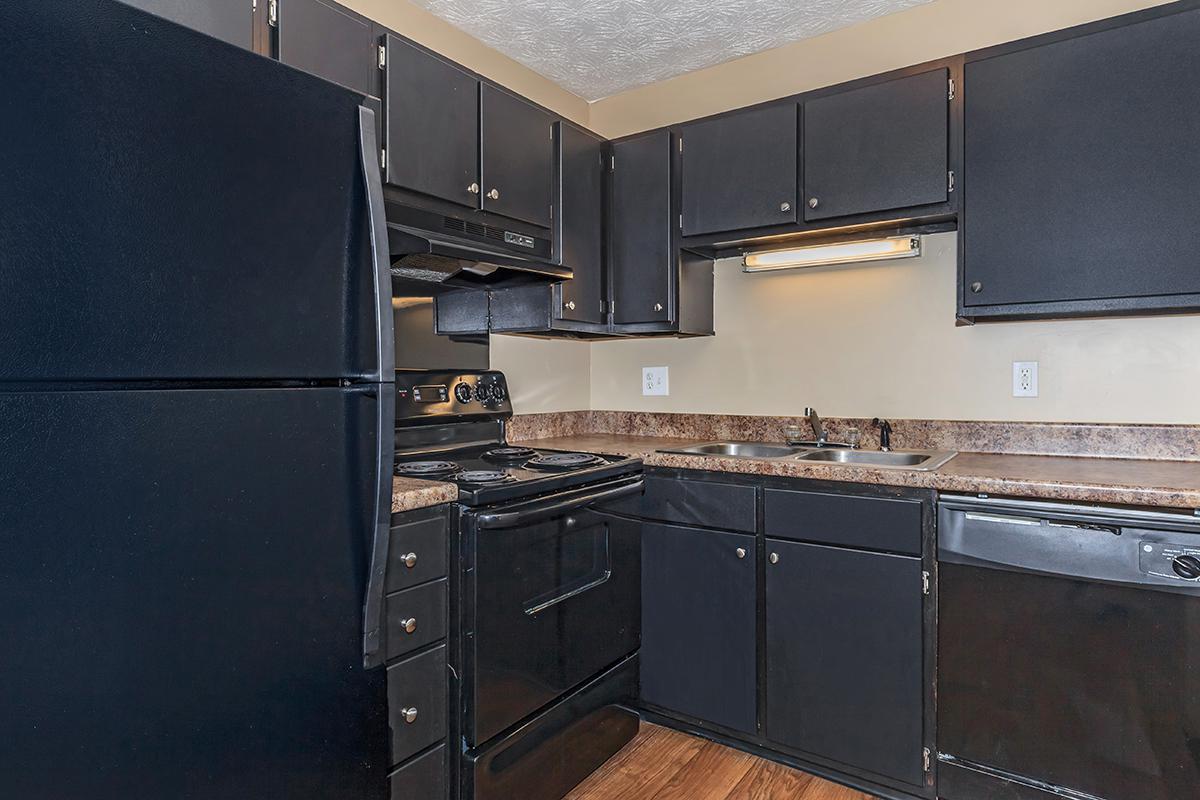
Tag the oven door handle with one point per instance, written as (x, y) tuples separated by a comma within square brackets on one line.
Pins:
[(511, 519)]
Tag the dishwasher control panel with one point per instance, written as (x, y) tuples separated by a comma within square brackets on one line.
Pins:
[(1176, 561)]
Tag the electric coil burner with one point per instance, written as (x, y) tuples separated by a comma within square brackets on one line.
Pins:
[(427, 469), (562, 462), (483, 477), (510, 455)]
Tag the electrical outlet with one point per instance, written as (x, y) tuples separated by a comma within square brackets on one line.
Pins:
[(654, 382), (1025, 379)]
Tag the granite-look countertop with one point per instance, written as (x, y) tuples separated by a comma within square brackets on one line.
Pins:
[(1170, 484), (409, 494)]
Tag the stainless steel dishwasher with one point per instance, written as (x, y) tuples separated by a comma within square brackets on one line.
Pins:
[(1068, 651)]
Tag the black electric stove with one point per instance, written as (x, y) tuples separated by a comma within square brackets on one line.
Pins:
[(451, 427)]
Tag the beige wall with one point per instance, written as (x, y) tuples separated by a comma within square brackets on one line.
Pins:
[(880, 340), (936, 30), (854, 341)]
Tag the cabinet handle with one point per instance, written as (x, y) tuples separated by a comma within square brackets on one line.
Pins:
[(658, 306), (976, 287), (410, 560), (409, 715), (741, 552), (473, 188), (774, 558), (785, 207), (813, 202), (569, 305), (494, 194), (409, 625)]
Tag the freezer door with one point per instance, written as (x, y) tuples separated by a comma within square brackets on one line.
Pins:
[(182, 576), (175, 207)]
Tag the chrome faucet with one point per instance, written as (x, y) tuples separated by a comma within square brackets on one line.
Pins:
[(818, 428)]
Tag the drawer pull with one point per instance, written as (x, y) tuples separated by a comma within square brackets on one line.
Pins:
[(409, 715), (409, 625), (410, 560)]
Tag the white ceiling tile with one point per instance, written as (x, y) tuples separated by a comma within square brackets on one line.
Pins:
[(597, 48)]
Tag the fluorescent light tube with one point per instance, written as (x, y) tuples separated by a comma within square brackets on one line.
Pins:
[(825, 254)]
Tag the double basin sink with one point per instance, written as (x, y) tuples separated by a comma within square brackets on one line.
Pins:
[(919, 460)]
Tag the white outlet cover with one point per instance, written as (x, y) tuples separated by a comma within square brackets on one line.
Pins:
[(1025, 379), (655, 382)]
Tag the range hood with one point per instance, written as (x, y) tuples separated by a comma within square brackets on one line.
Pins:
[(445, 260)]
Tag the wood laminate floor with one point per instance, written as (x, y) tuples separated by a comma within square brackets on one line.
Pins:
[(662, 764)]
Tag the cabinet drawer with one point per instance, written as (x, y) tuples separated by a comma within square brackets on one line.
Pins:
[(872, 523), (418, 684), (425, 608), (711, 505), (424, 536), (423, 778)]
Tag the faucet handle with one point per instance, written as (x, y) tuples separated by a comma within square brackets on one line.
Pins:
[(808, 411)]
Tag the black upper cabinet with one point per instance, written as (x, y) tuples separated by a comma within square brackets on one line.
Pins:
[(878, 148), (230, 20), (739, 170), (1082, 167), (432, 132), (845, 676), (581, 224), (518, 157), (642, 241), (328, 40), (699, 628)]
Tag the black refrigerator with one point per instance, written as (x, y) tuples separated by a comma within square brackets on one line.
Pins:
[(195, 418)]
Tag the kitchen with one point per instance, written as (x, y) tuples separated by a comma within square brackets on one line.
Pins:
[(554, 400)]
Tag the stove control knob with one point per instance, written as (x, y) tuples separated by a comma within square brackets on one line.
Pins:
[(498, 393), (483, 393), (1186, 567), (463, 393)]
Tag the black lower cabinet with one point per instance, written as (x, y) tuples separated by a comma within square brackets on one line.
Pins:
[(699, 624), (844, 657)]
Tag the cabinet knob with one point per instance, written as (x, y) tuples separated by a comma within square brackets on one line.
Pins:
[(473, 188), (410, 560), (813, 202), (976, 287), (658, 306), (785, 207), (741, 552), (409, 715), (569, 305), (494, 194), (774, 558), (409, 625)]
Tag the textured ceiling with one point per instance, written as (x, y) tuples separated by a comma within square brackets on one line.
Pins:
[(597, 48)]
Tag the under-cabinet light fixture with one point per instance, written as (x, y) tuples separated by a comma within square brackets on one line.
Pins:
[(822, 255)]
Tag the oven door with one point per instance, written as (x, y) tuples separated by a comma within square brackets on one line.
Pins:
[(1069, 654), (551, 597)]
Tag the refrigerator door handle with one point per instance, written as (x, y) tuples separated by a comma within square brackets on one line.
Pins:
[(381, 522), (385, 342)]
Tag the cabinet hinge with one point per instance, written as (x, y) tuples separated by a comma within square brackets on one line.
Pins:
[(681, 144), (273, 13), (927, 757), (382, 57), (925, 583), (950, 181), (383, 158), (681, 222), (951, 95)]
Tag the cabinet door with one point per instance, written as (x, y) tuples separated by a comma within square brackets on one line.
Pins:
[(641, 240), (845, 675), (739, 170), (844, 657), (581, 224), (698, 624), (432, 135), (1083, 164), (229, 20), (323, 38), (518, 157), (878, 148)]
